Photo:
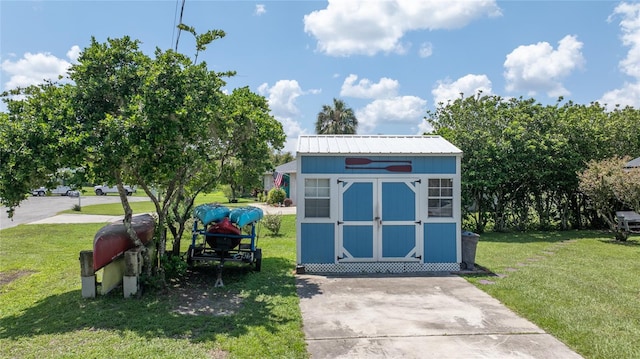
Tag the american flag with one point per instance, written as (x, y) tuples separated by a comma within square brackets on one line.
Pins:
[(277, 179)]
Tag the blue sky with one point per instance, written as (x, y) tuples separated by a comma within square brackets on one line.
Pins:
[(391, 61)]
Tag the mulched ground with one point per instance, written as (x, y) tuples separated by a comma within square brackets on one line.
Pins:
[(195, 294)]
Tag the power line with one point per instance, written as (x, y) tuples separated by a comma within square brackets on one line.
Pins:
[(179, 30), (175, 15)]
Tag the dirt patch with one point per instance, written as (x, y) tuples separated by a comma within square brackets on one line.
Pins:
[(8, 277), (194, 294), (218, 354)]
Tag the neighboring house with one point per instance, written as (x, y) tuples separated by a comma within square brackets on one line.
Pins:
[(378, 204), (288, 171)]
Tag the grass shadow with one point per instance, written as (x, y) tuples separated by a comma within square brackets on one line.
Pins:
[(627, 243), (154, 314), (479, 272), (538, 236)]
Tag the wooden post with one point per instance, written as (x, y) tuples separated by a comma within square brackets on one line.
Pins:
[(132, 269), (87, 274)]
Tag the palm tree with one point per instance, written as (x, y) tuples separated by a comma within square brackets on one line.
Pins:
[(338, 119)]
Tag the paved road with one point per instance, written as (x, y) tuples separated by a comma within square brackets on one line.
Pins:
[(38, 208), (44, 210)]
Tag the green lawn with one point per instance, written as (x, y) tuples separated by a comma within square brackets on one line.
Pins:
[(42, 313), (115, 209), (581, 287)]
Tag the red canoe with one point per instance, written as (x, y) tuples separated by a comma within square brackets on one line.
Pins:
[(112, 240)]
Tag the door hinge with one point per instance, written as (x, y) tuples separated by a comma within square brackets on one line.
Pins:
[(417, 181), (339, 223), (339, 258), (419, 222)]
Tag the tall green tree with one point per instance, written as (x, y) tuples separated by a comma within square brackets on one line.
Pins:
[(30, 146), (337, 119), (237, 152), (162, 123), (280, 158), (521, 158)]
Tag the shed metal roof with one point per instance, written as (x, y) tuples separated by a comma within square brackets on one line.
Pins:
[(376, 144)]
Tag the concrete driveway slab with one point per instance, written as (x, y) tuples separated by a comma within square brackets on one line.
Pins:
[(392, 316)]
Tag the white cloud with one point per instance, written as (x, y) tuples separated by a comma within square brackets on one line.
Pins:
[(282, 97), (385, 88), (629, 94), (468, 85), (33, 69), (630, 26), (426, 50), (424, 127), (540, 68), (260, 9), (74, 53), (293, 130), (368, 27), (401, 109)]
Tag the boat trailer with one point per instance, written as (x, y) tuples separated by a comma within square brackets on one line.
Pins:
[(209, 245)]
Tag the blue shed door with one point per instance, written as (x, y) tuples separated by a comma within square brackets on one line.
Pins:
[(378, 220)]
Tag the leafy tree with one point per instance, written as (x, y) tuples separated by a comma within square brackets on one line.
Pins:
[(253, 135), (338, 119), (280, 158), (162, 123), (30, 147), (521, 158), (627, 187), (607, 185)]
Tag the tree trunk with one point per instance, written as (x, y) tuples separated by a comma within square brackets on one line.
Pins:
[(128, 214)]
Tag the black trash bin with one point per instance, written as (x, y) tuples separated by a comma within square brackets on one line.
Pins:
[(469, 245)]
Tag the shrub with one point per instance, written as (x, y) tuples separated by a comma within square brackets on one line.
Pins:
[(276, 196), (272, 222), (174, 266), (226, 190), (77, 208), (607, 184)]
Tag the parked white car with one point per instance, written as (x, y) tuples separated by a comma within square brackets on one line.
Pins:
[(61, 190), (103, 190)]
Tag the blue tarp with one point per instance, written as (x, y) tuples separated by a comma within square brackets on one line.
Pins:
[(208, 213), (245, 215)]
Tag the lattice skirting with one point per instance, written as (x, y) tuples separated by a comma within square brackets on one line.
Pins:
[(379, 267)]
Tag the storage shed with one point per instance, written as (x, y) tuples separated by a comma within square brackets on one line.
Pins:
[(378, 204)]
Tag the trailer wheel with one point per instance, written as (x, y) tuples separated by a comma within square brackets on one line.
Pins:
[(258, 259)]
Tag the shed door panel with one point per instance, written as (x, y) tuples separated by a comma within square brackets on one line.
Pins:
[(378, 220), (356, 222), (399, 236)]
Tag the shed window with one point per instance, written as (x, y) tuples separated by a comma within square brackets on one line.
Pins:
[(316, 197), (440, 197)]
